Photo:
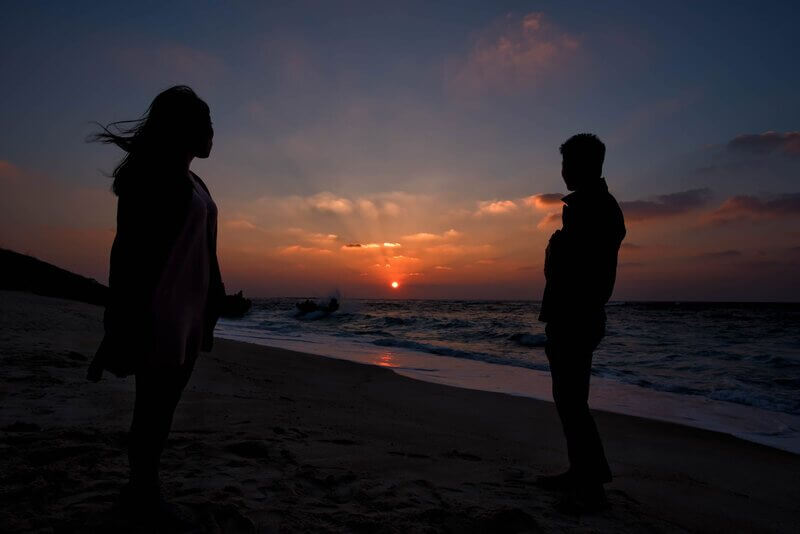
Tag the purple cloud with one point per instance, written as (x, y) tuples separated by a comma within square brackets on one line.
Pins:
[(665, 205), (748, 206), (767, 143)]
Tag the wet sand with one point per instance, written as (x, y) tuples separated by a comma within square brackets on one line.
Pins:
[(269, 440)]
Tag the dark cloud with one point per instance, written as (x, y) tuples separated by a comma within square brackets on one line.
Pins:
[(767, 143), (353, 245), (722, 254), (748, 206), (665, 205), (632, 246)]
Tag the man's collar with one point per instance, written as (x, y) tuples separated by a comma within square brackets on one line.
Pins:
[(598, 186)]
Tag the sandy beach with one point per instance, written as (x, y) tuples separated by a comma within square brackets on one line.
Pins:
[(269, 440)]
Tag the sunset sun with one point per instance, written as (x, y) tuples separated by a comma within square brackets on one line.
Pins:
[(395, 285)]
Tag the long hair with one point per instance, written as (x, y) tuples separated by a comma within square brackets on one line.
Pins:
[(174, 121)]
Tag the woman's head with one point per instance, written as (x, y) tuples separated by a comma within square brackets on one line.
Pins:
[(175, 128), (178, 122)]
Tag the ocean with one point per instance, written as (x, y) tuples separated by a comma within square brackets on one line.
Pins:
[(729, 367)]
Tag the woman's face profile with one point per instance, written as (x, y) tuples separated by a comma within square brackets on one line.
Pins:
[(204, 140)]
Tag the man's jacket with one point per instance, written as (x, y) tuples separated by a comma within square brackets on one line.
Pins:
[(581, 258), (149, 218)]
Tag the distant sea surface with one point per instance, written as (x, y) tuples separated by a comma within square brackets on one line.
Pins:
[(697, 356)]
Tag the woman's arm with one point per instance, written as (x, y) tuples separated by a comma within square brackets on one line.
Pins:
[(216, 292), (216, 288)]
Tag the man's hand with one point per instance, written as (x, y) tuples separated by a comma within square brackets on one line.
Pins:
[(550, 265)]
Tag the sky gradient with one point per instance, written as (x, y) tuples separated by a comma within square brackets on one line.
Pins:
[(358, 144)]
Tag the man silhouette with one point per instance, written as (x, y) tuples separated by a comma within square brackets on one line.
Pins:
[(580, 270)]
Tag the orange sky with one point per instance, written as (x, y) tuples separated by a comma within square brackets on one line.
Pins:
[(432, 245)]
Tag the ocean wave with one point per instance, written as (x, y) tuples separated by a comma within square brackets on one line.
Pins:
[(396, 321), (455, 353), (432, 349), (788, 382), (529, 340), (780, 362), (758, 401)]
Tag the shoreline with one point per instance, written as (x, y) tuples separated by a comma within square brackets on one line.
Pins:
[(275, 440), (774, 429)]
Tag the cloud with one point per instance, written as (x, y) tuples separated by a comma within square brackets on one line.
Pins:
[(317, 238), (450, 249), (544, 201), (718, 255), (515, 53), (496, 207), (391, 209), (299, 249), (325, 203), (632, 246), (368, 208), (239, 224), (549, 220), (751, 207), (369, 246), (443, 268), (422, 237), (665, 205), (322, 238), (767, 143), (330, 203)]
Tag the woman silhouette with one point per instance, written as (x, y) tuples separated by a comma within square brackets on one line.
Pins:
[(165, 286)]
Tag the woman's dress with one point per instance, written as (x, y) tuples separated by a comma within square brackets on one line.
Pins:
[(180, 299)]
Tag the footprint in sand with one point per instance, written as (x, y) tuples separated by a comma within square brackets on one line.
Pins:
[(250, 449), (454, 453), (338, 441), (409, 454)]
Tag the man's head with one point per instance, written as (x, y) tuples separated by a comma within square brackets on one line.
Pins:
[(582, 160)]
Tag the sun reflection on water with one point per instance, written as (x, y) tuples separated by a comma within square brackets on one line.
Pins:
[(385, 359)]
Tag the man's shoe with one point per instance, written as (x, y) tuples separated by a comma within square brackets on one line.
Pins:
[(583, 500), (561, 482)]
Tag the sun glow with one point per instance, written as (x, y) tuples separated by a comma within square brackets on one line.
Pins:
[(395, 285)]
